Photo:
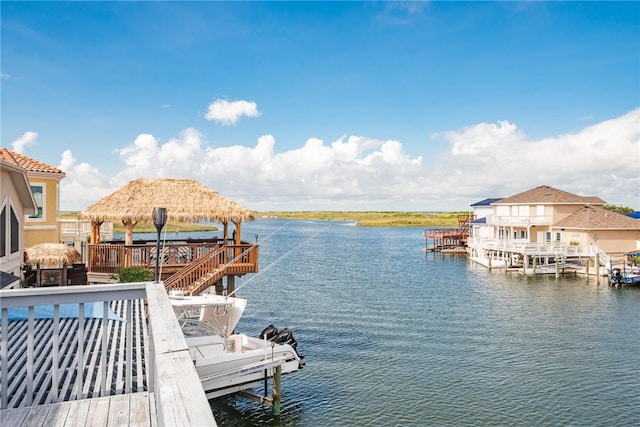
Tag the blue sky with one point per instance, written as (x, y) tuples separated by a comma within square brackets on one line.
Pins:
[(328, 105)]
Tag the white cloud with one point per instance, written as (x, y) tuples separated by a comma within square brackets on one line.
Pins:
[(229, 112), (28, 138), (5, 76), (357, 172), (83, 184)]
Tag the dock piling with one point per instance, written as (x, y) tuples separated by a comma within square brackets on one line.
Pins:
[(277, 387)]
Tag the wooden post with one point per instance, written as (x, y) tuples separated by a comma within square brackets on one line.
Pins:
[(277, 387), (597, 268), (231, 284), (588, 269), (557, 271), (535, 261)]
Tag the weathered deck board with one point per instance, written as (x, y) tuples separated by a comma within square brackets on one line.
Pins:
[(134, 409)]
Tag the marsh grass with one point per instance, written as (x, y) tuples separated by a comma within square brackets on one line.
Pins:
[(362, 218)]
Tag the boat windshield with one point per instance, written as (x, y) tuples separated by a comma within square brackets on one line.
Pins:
[(195, 328)]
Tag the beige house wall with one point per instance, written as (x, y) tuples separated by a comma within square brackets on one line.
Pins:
[(47, 228), (610, 241), (559, 212)]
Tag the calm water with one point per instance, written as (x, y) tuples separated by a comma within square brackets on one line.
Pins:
[(396, 337)]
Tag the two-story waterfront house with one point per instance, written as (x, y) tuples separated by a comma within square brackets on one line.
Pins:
[(546, 225), (44, 180), (16, 202)]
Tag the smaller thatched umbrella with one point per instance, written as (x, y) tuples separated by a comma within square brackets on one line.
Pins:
[(56, 255)]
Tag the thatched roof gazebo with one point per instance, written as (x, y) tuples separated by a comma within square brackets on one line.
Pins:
[(186, 200), (51, 261), (52, 255)]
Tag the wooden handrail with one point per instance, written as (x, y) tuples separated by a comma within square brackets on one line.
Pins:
[(212, 266), (106, 258), (169, 374)]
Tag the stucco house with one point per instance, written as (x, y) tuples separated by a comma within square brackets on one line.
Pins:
[(16, 203), (43, 226), (614, 233), (553, 222)]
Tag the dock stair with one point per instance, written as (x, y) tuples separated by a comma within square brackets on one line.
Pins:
[(209, 268)]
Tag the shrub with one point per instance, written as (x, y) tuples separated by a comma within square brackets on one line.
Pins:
[(133, 274)]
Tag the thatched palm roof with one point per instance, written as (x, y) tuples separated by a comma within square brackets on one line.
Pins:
[(186, 200), (52, 254)]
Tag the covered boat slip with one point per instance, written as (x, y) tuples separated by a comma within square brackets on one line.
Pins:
[(97, 355)]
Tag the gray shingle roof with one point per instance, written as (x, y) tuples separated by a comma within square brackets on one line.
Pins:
[(7, 279)]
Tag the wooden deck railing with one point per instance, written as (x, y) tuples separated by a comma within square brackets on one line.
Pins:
[(107, 257), (79, 356), (189, 266)]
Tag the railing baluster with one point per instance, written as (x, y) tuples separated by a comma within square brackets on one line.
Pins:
[(104, 349), (129, 337), (30, 334), (80, 352), (55, 353)]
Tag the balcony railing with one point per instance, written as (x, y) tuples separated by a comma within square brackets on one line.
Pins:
[(523, 246), (71, 358), (76, 230), (522, 221)]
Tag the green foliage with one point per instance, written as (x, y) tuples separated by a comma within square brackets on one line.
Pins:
[(620, 209), (133, 274)]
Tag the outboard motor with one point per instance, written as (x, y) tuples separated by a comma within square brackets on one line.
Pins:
[(269, 332), (285, 336), (616, 276)]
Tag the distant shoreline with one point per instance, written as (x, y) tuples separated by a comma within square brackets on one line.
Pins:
[(361, 218), (373, 218)]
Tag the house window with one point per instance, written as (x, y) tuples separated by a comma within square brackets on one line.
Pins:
[(548, 237), (15, 233), (3, 232), (38, 195), (523, 234), (557, 237)]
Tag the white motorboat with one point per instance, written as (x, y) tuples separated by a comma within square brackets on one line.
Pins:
[(228, 362)]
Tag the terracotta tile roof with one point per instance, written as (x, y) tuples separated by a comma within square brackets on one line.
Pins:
[(598, 218), (27, 163), (549, 196)]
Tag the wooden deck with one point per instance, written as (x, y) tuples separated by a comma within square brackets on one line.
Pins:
[(126, 367), (135, 409)]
